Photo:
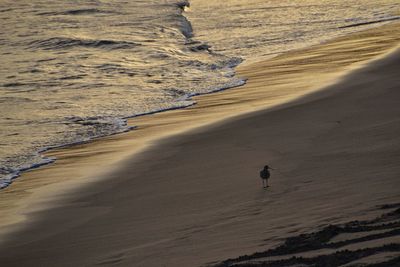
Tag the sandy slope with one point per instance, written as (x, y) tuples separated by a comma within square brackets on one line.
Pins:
[(196, 198)]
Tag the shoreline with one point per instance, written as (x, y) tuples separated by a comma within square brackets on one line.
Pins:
[(82, 160)]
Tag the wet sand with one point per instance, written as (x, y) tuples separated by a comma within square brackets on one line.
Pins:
[(195, 197)]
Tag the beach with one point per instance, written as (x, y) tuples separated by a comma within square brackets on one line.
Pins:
[(183, 188)]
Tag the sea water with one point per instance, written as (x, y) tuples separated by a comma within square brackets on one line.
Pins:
[(74, 70)]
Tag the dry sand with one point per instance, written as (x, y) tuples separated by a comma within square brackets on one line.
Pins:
[(195, 197)]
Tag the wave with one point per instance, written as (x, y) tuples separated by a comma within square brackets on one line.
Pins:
[(186, 27), (85, 11), (101, 127), (65, 42), (183, 4), (8, 175), (369, 22)]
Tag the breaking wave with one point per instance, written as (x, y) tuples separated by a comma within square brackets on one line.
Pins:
[(64, 42)]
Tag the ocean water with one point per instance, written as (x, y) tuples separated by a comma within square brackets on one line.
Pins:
[(74, 70)]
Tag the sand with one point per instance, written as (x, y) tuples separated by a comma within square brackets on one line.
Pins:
[(194, 197)]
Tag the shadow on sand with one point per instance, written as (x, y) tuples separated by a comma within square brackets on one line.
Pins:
[(356, 243)]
